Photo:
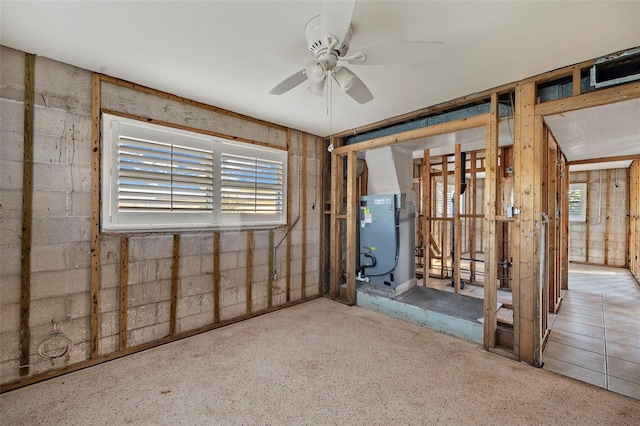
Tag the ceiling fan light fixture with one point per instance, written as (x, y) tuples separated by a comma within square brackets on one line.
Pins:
[(345, 78), (315, 71), (317, 88)]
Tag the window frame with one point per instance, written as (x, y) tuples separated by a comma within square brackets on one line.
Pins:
[(115, 219), (582, 216)]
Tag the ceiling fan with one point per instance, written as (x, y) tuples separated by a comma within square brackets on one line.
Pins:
[(328, 36)]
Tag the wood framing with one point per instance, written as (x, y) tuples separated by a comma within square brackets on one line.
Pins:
[(473, 210), (489, 239), (289, 219), (352, 246), (457, 234), (444, 227), (303, 215), (124, 291), (175, 276), (425, 182), (27, 212), (249, 271), (270, 272), (607, 218), (216, 277), (94, 329)]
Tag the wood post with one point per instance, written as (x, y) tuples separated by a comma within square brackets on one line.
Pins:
[(124, 291), (289, 217), (489, 240), (216, 277), (303, 216), (426, 213), (249, 271), (270, 272), (457, 228), (444, 249), (27, 212), (352, 248), (175, 276), (94, 278)]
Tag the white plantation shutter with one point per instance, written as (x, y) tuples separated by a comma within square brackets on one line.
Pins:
[(158, 176), (251, 185)]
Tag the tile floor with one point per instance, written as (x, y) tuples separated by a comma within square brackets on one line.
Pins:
[(595, 337)]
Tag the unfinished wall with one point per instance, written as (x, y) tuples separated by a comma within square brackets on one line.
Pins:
[(159, 274), (634, 219), (602, 238)]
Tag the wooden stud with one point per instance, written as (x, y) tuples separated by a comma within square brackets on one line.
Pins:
[(628, 221), (249, 271), (603, 159), (289, 218), (124, 291), (175, 276), (444, 236), (27, 212), (352, 247), (94, 274), (216, 277), (576, 81), (426, 212), (303, 216), (335, 241), (457, 234), (564, 226), (489, 230), (607, 232), (270, 271), (587, 221), (474, 209)]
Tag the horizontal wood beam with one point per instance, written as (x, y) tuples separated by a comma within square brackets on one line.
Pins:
[(604, 159), (588, 100), (424, 132)]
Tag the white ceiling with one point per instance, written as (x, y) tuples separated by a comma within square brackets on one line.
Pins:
[(231, 53)]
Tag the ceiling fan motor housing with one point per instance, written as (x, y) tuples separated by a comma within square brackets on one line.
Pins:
[(318, 43)]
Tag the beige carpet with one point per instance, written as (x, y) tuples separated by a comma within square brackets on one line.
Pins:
[(316, 363)]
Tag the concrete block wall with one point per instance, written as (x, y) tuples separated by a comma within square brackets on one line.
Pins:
[(61, 248), (598, 188)]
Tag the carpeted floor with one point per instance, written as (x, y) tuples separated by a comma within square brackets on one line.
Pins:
[(316, 363)]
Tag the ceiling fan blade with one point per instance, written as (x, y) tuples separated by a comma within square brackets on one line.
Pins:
[(289, 83), (335, 18), (357, 89), (399, 53)]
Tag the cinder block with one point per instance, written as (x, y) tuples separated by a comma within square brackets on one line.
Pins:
[(193, 322), (49, 122), (9, 345), (233, 278), (10, 261), (259, 304), (143, 271), (13, 120), (109, 324), (261, 240), (260, 257), (66, 82), (80, 179), (260, 273), (164, 269), (163, 314), (109, 276), (9, 317), (11, 202), (229, 296), (151, 247), (80, 151), (50, 149), (48, 258), (57, 283), (10, 289), (188, 306), (189, 265), (196, 245), (228, 312), (55, 230), (233, 241), (80, 204), (77, 305), (197, 284), (228, 260), (109, 344), (11, 67), (109, 250), (47, 311), (10, 174), (109, 299), (10, 370), (147, 293), (141, 316)]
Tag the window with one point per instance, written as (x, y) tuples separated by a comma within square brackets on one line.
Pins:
[(159, 178), (578, 202)]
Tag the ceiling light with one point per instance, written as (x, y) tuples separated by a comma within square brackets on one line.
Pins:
[(345, 78)]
